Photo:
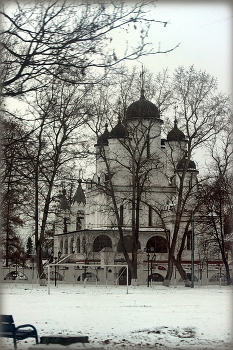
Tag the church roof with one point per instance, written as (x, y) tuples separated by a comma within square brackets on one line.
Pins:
[(64, 203), (142, 109), (79, 195), (119, 131), (175, 134)]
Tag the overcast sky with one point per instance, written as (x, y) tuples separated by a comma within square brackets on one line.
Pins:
[(204, 31)]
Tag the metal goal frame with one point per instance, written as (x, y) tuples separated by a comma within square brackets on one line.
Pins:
[(88, 265)]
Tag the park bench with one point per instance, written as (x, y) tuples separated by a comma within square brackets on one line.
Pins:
[(9, 330)]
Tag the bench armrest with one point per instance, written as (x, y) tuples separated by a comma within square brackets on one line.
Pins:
[(24, 326)]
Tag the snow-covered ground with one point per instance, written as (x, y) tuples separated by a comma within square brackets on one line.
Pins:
[(155, 317)]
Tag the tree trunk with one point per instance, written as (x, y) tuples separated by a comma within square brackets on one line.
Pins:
[(178, 260), (41, 274), (168, 277), (228, 276), (182, 273), (134, 269)]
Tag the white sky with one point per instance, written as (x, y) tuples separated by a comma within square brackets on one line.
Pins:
[(204, 31)]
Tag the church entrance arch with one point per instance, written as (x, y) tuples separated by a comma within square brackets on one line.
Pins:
[(122, 277)]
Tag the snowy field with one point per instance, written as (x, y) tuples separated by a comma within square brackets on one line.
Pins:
[(149, 318)]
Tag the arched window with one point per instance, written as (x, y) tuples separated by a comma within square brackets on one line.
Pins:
[(79, 220), (157, 244), (66, 246), (71, 245), (149, 216), (78, 223), (121, 215), (128, 245), (84, 244), (61, 245), (101, 242), (78, 245), (65, 225)]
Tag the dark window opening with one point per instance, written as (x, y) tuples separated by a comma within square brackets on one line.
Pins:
[(79, 220), (78, 245), (66, 247), (65, 225), (150, 216), (121, 215)]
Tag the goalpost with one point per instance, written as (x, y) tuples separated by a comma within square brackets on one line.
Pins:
[(86, 266)]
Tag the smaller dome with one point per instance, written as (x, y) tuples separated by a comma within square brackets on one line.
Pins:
[(79, 195), (175, 134), (183, 162), (119, 131), (103, 139)]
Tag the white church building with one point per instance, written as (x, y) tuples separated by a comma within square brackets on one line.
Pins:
[(86, 235)]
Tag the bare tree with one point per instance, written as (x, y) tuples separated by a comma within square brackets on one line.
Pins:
[(56, 116), (49, 39), (217, 205), (13, 195), (202, 114)]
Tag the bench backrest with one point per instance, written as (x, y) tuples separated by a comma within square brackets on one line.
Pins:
[(7, 323)]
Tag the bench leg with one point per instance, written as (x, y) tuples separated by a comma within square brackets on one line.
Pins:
[(15, 343)]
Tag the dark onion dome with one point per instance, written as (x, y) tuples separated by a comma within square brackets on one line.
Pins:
[(64, 203), (119, 131), (79, 195), (183, 162), (142, 109), (103, 139), (175, 134)]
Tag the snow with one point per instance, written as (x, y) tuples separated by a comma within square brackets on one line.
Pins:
[(155, 317)]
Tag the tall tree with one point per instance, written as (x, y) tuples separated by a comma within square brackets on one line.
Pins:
[(202, 114), (216, 196), (14, 198), (29, 247), (59, 116)]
